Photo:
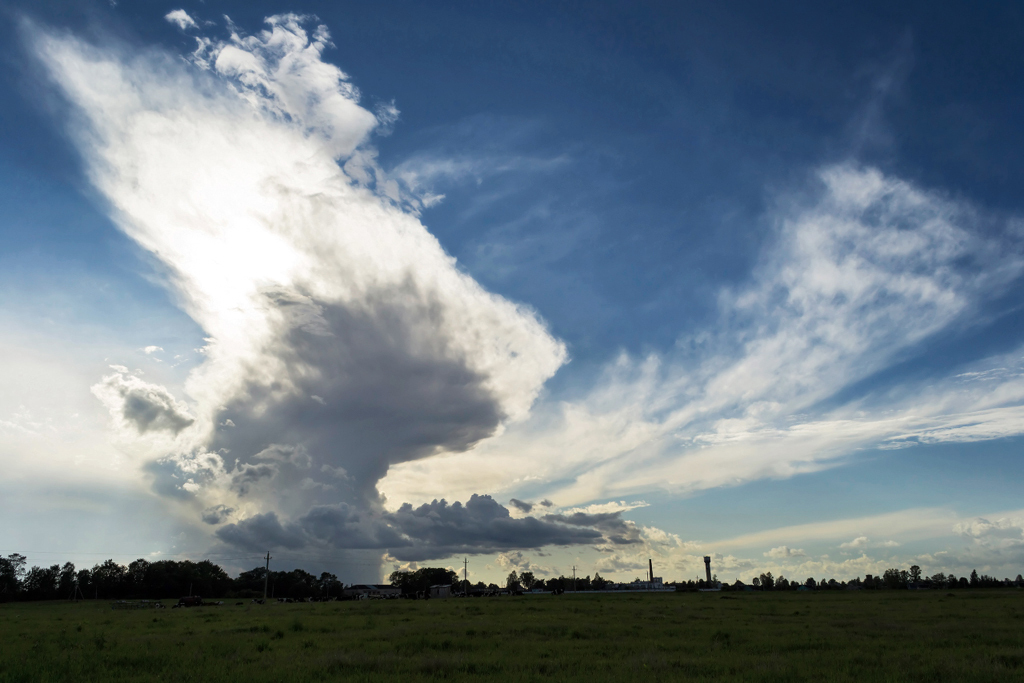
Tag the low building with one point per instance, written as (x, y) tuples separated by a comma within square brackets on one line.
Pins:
[(374, 591), (440, 591), (656, 585)]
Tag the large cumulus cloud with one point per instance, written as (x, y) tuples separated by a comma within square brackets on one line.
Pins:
[(342, 339)]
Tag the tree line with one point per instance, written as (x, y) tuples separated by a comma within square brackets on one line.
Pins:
[(142, 579), (890, 579)]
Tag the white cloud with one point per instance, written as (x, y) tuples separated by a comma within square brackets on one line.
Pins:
[(141, 406), (996, 540), (1001, 531), (915, 523), (785, 551), (337, 327), (422, 174), (516, 561), (181, 19), (865, 271), (621, 563), (151, 349), (610, 506)]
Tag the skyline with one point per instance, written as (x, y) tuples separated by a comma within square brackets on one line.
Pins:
[(540, 286)]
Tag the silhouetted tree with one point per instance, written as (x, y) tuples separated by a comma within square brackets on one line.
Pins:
[(137, 577), (296, 584), (41, 583), (67, 581), (84, 581), (329, 586), (422, 579), (555, 585), (250, 584), (894, 578), (109, 579), (12, 570)]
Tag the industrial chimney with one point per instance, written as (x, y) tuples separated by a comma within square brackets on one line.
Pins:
[(707, 567), (650, 570)]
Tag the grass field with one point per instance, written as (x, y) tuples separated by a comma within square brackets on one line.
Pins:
[(826, 636)]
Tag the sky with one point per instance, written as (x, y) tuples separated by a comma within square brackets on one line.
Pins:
[(533, 286)]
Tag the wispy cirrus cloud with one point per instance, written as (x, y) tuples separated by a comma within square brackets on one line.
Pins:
[(859, 273)]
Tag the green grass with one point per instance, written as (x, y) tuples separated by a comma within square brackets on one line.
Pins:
[(828, 636)]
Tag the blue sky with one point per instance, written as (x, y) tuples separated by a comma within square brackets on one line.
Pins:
[(739, 281)]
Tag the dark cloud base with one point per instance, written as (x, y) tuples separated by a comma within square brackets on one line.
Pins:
[(431, 531)]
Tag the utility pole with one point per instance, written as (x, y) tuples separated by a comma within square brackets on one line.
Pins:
[(266, 577), (465, 576), (574, 578)]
